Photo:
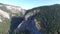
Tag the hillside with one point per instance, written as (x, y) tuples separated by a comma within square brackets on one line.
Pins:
[(47, 20), (6, 13)]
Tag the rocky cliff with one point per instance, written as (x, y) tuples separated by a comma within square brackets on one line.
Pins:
[(6, 13)]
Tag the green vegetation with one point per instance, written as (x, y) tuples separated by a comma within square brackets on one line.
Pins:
[(4, 26), (49, 17)]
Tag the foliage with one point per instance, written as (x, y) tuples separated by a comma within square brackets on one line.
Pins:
[(49, 17), (21, 32)]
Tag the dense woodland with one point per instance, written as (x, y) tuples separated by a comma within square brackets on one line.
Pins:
[(48, 18)]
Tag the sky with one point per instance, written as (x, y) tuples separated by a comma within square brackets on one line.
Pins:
[(28, 4)]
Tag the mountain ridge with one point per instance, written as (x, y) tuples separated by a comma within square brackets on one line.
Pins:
[(41, 20)]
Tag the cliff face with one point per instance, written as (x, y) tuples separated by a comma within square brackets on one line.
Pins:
[(6, 14)]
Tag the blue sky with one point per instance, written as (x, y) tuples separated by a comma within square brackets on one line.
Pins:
[(28, 4)]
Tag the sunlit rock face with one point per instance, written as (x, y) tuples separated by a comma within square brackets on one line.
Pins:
[(0, 20), (6, 14)]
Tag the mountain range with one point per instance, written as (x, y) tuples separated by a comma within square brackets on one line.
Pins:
[(38, 20)]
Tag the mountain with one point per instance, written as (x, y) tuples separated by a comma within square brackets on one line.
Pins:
[(38, 20), (48, 18), (41, 20), (6, 13)]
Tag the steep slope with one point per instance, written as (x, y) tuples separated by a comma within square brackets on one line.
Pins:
[(47, 20), (6, 13)]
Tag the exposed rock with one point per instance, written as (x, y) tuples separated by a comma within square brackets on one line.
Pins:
[(4, 14), (0, 20)]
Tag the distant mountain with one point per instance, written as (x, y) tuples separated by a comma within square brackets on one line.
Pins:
[(6, 13)]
